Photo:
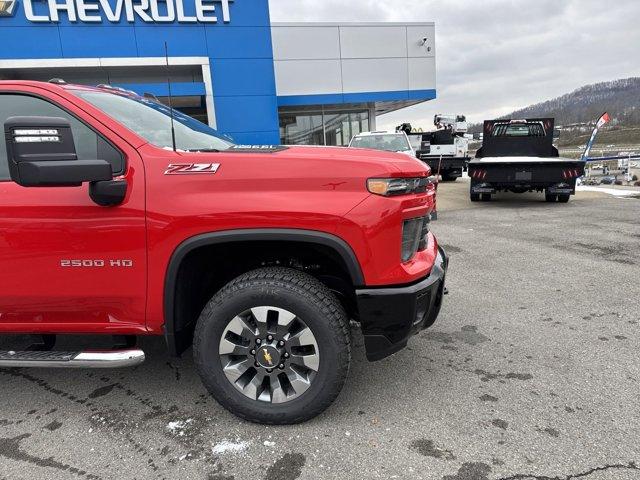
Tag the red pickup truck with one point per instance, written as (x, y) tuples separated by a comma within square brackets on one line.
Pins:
[(121, 217)]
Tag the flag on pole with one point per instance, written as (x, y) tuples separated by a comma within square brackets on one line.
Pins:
[(603, 120)]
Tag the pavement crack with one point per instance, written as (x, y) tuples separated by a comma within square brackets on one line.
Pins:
[(10, 449), (489, 376), (176, 369), (604, 468), (16, 373), (138, 447)]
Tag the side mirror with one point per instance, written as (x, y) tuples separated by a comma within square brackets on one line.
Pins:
[(41, 153)]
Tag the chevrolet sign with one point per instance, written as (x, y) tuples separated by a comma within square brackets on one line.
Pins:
[(149, 11), (7, 7)]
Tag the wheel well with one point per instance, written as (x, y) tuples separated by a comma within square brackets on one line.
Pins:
[(204, 270)]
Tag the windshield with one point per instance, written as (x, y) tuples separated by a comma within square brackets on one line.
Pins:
[(388, 142), (152, 121), (518, 130), (415, 141)]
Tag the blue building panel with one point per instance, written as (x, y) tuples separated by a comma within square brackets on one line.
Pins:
[(256, 138), (421, 95), (247, 13), (236, 77), (182, 40), (360, 97), (239, 42), (247, 114), (80, 41), (25, 42)]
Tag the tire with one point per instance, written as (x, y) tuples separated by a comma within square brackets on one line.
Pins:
[(486, 197), (475, 197), (313, 305), (446, 177), (563, 198), (551, 198)]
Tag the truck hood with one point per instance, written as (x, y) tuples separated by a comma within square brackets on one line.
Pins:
[(393, 164)]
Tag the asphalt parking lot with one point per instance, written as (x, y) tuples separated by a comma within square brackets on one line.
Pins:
[(531, 372)]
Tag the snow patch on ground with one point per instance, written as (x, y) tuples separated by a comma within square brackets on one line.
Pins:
[(609, 191), (229, 447), (179, 426)]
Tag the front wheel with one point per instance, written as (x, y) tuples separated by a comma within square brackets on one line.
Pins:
[(563, 198), (475, 197), (273, 346)]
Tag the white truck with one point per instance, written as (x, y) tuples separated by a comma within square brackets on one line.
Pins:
[(383, 140), (445, 150)]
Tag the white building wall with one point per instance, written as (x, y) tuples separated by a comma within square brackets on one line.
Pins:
[(312, 59)]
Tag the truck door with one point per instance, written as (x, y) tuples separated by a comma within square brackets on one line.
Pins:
[(67, 264)]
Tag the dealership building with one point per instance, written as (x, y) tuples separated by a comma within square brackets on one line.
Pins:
[(229, 66)]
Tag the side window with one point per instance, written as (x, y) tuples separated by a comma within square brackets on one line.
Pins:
[(89, 145)]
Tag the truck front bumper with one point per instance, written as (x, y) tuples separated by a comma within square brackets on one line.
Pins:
[(391, 315)]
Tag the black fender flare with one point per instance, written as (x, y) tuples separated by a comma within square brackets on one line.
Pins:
[(341, 247)]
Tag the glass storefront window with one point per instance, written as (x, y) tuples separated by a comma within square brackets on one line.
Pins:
[(301, 129), (321, 126)]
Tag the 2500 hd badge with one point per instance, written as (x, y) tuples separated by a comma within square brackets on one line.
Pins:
[(96, 263)]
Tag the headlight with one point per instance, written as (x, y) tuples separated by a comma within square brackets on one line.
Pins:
[(414, 237), (389, 187)]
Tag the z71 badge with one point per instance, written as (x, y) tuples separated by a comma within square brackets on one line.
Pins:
[(191, 168)]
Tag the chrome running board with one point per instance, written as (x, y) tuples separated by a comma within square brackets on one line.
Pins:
[(87, 359)]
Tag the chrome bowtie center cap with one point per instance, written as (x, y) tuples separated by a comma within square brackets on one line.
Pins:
[(267, 356)]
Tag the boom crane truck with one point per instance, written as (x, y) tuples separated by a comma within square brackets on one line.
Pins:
[(445, 150)]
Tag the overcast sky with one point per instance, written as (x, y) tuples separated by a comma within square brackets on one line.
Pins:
[(494, 56)]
